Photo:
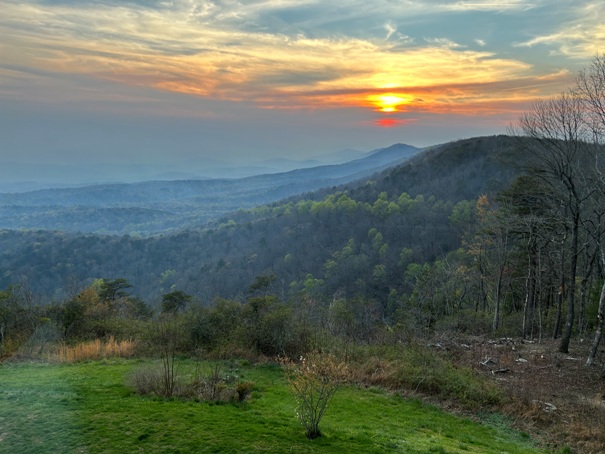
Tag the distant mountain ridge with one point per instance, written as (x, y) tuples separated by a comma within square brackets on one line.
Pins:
[(120, 208), (16, 176)]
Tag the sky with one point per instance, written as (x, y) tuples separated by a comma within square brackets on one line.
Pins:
[(173, 84)]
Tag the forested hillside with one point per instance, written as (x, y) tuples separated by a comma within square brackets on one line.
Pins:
[(357, 240)]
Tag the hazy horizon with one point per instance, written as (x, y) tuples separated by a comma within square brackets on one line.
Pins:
[(19, 176)]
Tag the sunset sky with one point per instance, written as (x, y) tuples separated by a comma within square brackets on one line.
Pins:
[(164, 82)]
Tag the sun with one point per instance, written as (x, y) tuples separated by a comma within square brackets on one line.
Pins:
[(388, 102)]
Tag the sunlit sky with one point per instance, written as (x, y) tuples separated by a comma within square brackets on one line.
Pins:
[(165, 82)]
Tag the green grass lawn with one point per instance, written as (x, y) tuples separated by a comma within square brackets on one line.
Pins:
[(88, 408)]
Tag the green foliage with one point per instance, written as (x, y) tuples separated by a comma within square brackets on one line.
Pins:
[(243, 389), (10, 309), (215, 327), (262, 284), (90, 315), (175, 301), (463, 214), (223, 260), (112, 289)]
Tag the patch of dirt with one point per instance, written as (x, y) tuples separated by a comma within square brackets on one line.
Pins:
[(554, 396)]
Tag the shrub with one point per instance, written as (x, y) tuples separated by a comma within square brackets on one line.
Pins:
[(146, 380), (243, 390), (314, 381), (213, 386), (165, 338)]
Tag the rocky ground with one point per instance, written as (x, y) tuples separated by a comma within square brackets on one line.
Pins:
[(553, 396)]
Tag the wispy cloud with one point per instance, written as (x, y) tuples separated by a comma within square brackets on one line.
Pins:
[(490, 5), (273, 53), (580, 35)]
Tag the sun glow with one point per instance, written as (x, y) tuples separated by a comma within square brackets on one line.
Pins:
[(388, 102)]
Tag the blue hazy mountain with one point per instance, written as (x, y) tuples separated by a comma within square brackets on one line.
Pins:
[(160, 205)]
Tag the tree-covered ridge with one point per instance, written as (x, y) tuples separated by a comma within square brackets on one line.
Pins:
[(384, 227), (290, 240)]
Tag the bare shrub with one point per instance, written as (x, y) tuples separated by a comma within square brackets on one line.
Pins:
[(214, 385), (46, 333), (314, 381), (165, 337), (146, 380), (218, 386)]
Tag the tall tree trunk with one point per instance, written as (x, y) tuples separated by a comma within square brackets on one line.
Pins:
[(525, 311), (561, 294), (496, 321), (538, 297), (564, 346), (584, 287), (582, 311), (599, 330), (530, 302)]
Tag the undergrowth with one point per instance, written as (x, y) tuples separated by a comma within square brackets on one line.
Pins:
[(418, 369), (210, 381)]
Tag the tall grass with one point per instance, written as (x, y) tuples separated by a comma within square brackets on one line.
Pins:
[(95, 350)]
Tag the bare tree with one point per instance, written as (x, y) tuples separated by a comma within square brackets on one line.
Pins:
[(559, 152), (590, 88), (166, 333)]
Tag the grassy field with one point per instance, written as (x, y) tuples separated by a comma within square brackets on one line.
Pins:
[(88, 408)]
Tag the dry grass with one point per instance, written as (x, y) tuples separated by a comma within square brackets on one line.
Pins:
[(95, 350)]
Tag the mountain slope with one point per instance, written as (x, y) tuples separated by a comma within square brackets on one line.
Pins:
[(356, 239), (452, 171)]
